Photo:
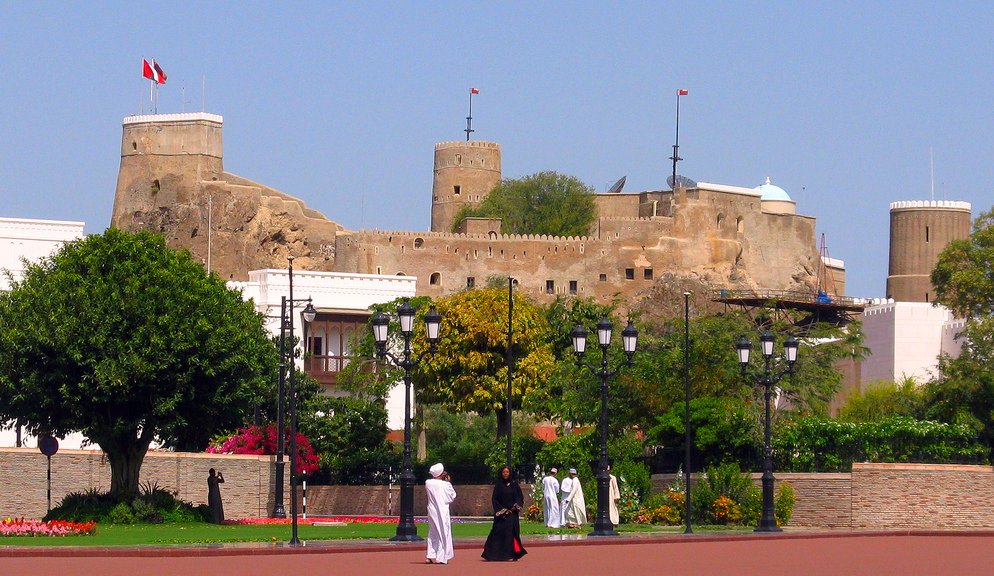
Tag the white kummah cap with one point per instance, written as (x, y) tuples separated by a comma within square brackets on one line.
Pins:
[(436, 470), (554, 470), (572, 470)]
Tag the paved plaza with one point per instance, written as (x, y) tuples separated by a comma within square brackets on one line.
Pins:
[(832, 553)]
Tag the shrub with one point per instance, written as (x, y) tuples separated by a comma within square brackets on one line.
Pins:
[(153, 505), (719, 488), (783, 503), (121, 514)]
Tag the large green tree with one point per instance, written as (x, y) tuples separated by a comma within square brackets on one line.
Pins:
[(543, 203), (469, 371), (963, 278), (127, 341)]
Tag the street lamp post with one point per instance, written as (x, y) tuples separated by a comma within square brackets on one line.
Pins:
[(406, 530), (629, 338), (768, 378), (687, 506), (287, 374)]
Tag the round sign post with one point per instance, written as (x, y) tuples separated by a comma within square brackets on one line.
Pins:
[(48, 446)]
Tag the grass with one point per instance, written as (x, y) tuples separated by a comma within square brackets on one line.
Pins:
[(202, 533)]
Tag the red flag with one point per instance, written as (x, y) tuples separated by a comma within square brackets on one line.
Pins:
[(682, 92), (147, 70), (474, 90), (160, 76)]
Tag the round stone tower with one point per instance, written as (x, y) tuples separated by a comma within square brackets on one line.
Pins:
[(919, 231), (465, 172), (164, 159)]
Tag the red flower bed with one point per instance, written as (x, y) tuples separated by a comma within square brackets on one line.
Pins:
[(22, 527)]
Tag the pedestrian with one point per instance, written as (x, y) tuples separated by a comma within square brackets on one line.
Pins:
[(613, 495), (565, 489), (215, 478), (440, 494), (550, 499), (575, 509), (504, 541)]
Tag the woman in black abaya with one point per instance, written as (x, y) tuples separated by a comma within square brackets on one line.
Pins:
[(504, 541)]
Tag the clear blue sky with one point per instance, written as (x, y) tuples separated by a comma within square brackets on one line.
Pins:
[(340, 104)]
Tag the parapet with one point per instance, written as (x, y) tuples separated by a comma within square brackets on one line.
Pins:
[(465, 144), (929, 204), (160, 118)]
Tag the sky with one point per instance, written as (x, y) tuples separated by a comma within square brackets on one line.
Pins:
[(848, 106)]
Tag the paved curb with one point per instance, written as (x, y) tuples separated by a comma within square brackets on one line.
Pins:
[(367, 546)]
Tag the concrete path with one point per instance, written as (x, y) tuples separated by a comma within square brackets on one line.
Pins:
[(814, 554)]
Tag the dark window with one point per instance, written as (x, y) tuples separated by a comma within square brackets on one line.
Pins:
[(603, 278), (456, 189), (572, 286), (435, 278), (470, 282), (926, 234), (629, 273), (550, 287), (647, 274)]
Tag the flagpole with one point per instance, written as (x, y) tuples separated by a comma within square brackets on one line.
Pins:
[(469, 119), (676, 144)]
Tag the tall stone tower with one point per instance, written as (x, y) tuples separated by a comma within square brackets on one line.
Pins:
[(165, 158), (465, 172), (919, 231)]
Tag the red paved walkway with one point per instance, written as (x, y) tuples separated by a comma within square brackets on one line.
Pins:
[(851, 554)]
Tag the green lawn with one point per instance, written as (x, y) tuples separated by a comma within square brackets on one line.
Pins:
[(200, 533)]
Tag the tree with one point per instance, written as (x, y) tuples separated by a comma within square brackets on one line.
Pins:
[(964, 274), (128, 341), (963, 278), (468, 373), (543, 203)]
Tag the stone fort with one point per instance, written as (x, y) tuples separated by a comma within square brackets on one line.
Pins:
[(172, 180)]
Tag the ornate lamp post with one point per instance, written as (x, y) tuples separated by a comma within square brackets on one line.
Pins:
[(406, 530), (629, 338), (768, 378), (288, 373)]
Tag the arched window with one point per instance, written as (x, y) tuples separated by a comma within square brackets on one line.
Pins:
[(435, 279), (419, 243)]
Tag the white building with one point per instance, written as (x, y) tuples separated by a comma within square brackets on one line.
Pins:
[(342, 301), (28, 239), (906, 339)]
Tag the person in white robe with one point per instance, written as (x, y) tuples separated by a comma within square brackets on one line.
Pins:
[(440, 494), (613, 495), (575, 512), (550, 499), (565, 488)]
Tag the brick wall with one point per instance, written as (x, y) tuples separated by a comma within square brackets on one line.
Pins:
[(922, 496), (873, 496), (245, 493)]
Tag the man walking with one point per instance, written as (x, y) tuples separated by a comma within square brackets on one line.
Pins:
[(440, 494), (550, 500)]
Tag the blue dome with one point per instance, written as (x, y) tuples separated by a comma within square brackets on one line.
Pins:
[(772, 192)]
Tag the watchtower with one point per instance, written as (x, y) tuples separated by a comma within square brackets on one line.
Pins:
[(164, 159), (465, 172), (919, 231)]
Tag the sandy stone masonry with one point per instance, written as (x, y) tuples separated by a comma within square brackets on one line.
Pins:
[(172, 180)]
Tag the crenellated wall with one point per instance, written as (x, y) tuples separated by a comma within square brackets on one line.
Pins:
[(172, 181)]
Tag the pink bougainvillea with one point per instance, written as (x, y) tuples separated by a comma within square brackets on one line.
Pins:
[(262, 440), (22, 527)]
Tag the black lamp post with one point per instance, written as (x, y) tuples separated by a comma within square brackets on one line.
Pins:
[(406, 530), (768, 378), (288, 373), (629, 338)]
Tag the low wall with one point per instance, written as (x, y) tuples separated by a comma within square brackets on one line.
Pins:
[(246, 492), (882, 496)]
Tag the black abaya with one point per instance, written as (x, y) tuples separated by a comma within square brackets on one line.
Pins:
[(504, 541)]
